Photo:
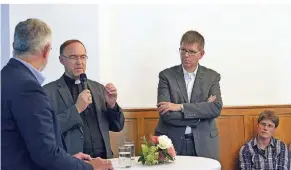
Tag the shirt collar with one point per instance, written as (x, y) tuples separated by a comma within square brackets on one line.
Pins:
[(272, 143), (190, 74), (69, 80), (40, 78)]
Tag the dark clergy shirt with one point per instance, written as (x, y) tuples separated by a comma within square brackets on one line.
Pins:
[(93, 141)]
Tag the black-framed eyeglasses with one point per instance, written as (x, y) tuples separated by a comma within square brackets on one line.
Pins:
[(190, 52), (75, 57)]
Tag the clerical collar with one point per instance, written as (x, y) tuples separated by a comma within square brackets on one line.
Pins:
[(77, 81), (70, 80)]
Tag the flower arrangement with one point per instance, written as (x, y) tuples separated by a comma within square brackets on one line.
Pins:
[(157, 150)]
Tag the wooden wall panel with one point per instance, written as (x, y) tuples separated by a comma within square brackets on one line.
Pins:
[(150, 125), (248, 127), (254, 126), (236, 126), (129, 133), (284, 129), (231, 135)]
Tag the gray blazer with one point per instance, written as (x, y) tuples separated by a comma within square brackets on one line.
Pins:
[(199, 114), (70, 120)]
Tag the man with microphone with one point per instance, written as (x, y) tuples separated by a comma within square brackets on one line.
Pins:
[(86, 110), (31, 138)]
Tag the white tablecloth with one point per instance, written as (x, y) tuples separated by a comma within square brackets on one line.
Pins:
[(181, 163)]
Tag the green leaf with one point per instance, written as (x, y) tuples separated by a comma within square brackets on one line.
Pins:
[(167, 155), (145, 140), (141, 159), (153, 148), (144, 149)]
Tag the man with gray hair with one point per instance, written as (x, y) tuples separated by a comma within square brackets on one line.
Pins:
[(31, 138)]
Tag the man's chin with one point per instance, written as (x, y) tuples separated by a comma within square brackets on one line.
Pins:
[(78, 73), (265, 136), (75, 75), (188, 65)]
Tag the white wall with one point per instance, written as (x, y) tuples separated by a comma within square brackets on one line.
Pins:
[(1, 32), (249, 45), (67, 22), (5, 30)]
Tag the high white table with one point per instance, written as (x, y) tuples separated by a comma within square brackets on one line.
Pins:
[(181, 162)]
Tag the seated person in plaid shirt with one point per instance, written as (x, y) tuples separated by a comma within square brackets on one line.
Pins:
[(290, 156), (264, 152)]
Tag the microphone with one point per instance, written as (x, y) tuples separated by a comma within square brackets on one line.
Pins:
[(84, 83), (83, 79)]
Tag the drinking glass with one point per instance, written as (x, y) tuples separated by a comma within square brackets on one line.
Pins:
[(131, 145), (124, 157)]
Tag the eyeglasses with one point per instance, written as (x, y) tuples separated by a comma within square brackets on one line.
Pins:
[(75, 57), (190, 52), (269, 126)]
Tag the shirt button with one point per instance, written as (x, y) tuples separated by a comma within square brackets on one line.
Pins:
[(82, 137)]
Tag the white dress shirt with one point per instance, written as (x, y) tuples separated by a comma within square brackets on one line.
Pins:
[(189, 81)]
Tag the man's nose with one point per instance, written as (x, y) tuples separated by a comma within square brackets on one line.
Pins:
[(186, 54), (78, 61)]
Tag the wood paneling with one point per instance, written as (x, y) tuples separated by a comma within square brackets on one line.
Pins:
[(231, 135), (236, 126), (150, 125), (284, 128), (129, 133)]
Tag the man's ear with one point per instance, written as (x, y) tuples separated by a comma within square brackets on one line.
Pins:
[(46, 51), (202, 54), (61, 59)]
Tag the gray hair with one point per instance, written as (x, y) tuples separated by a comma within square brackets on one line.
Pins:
[(30, 36)]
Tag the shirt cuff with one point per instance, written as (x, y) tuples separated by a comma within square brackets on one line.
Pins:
[(115, 108), (182, 108)]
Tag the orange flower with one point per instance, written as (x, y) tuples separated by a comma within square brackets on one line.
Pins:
[(154, 139), (172, 152)]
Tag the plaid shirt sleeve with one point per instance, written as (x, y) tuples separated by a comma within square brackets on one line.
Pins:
[(282, 163), (245, 158), (290, 156)]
